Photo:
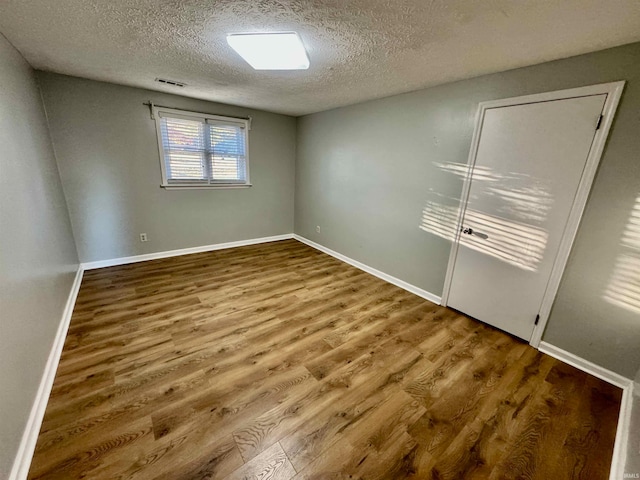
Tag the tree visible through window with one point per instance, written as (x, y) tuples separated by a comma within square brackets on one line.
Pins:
[(199, 150)]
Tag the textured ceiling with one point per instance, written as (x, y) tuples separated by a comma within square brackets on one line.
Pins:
[(359, 49)]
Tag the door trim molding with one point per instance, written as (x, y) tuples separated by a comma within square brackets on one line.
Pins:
[(614, 92)]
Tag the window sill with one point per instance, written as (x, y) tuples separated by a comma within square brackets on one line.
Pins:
[(206, 187)]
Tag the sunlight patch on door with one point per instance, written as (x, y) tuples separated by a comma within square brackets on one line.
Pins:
[(520, 245), (520, 242), (462, 169), (623, 288), (529, 203)]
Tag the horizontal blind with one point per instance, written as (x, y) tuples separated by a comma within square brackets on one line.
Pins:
[(227, 155), (184, 149), (198, 150)]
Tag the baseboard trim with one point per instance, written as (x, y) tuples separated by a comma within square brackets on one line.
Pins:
[(619, 458), (624, 418), (377, 273), (183, 251), (585, 365), (22, 462)]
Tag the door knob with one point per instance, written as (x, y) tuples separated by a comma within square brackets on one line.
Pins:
[(471, 231)]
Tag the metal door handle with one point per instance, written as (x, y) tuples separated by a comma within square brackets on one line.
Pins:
[(471, 231)]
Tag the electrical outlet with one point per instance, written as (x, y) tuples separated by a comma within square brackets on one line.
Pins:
[(318, 229), (143, 237)]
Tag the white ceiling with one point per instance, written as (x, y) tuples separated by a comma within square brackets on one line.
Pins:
[(359, 49)]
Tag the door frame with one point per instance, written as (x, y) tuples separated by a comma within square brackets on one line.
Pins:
[(614, 92)]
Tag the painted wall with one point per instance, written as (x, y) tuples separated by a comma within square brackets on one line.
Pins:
[(365, 174), (107, 153), (38, 258)]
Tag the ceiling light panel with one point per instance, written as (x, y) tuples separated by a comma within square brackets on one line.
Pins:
[(270, 51)]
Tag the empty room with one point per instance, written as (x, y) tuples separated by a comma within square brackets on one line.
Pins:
[(278, 239)]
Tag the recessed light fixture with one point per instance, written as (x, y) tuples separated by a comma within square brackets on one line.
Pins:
[(270, 51)]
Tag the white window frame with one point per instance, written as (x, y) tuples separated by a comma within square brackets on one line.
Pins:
[(244, 123)]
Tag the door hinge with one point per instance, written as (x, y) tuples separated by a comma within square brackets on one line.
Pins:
[(599, 122), (537, 319)]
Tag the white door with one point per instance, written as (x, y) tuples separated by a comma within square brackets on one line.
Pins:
[(528, 166)]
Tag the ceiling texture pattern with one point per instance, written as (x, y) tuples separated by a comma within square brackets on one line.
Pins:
[(359, 49)]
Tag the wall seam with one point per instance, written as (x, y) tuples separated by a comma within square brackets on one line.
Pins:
[(55, 157)]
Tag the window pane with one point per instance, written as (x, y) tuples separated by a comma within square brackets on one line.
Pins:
[(228, 155), (185, 165), (182, 134), (227, 139), (183, 144), (227, 168)]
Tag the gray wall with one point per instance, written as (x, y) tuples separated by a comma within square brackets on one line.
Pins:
[(38, 259), (107, 153), (365, 172)]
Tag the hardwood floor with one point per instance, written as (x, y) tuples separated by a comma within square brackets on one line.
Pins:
[(277, 361)]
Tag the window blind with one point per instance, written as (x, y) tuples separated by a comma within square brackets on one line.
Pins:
[(202, 151)]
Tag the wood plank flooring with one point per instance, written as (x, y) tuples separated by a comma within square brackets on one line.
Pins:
[(277, 361)]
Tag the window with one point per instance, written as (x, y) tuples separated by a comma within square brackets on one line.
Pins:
[(198, 150)]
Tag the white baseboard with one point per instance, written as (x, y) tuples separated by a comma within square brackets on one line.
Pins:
[(624, 418), (183, 251), (585, 365), (27, 446), (619, 458), (384, 276)]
